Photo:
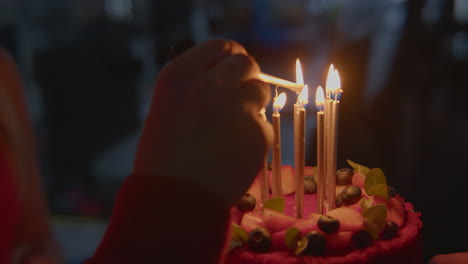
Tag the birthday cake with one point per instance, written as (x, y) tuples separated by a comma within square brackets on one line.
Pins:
[(370, 224)]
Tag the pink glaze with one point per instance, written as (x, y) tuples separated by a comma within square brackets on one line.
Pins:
[(406, 247), (358, 179), (339, 242), (310, 204)]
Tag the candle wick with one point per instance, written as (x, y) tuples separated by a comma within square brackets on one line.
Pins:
[(338, 95)]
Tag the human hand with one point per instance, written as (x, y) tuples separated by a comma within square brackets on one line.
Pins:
[(204, 125), (453, 258)]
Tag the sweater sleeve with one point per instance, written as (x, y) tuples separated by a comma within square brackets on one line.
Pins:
[(161, 219)]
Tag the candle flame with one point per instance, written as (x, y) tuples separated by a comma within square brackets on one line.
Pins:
[(319, 99), (328, 84), (303, 97), (299, 77), (333, 84), (337, 79), (279, 101), (337, 92)]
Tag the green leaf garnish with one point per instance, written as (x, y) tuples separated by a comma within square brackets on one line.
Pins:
[(376, 214), (373, 177), (375, 217), (366, 203), (372, 229), (357, 167), (380, 190), (276, 203), (301, 245), (291, 238), (238, 233)]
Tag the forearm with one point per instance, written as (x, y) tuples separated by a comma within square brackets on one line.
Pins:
[(32, 227), (161, 218)]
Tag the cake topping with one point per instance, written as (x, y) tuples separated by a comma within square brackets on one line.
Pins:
[(292, 238), (301, 245), (362, 239), (375, 218), (275, 203), (351, 195), (390, 230), (246, 203), (238, 234), (316, 244), (395, 210), (310, 186), (344, 176), (259, 240), (328, 224), (349, 218), (365, 203), (251, 220), (357, 167), (365, 213), (358, 179), (339, 201), (376, 183)]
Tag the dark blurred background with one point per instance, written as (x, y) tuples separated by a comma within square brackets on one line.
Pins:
[(89, 68)]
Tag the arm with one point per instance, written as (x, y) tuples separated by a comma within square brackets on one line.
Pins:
[(34, 238), (202, 145), (161, 218)]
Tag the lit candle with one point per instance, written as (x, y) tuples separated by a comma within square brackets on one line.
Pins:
[(319, 104), (331, 137), (278, 104), (327, 136), (299, 141), (264, 176)]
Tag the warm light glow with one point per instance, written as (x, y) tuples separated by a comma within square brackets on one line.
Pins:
[(279, 102), (331, 70), (336, 94), (337, 80), (333, 84), (319, 99), (303, 97), (328, 85), (299, 77)]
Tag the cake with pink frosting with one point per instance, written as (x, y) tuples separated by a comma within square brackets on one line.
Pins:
[(371, 223)]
